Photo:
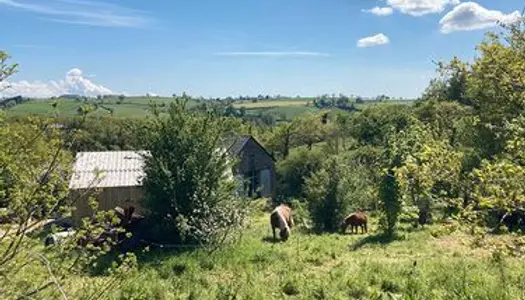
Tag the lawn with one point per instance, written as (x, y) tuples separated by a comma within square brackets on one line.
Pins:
[(330, 266)]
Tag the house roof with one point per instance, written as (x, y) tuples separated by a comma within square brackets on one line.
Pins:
[(237, 143), (107, 169)]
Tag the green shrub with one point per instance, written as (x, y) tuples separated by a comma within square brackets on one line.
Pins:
[(328, 195), (390, 203), (293, 171), (188, 191)]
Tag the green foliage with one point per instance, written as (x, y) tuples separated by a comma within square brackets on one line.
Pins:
[(451, 85), (390, 202), (6, 69), (189, 190), (34, 174), (293, 171), (309, 130), (105, 133), (328, 192), (429, 171), (279, 140), (366, 162), (500, 183), (373, 124), (304, 130), (447, 120)]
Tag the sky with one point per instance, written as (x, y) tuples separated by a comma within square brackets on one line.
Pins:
[(225, 48)]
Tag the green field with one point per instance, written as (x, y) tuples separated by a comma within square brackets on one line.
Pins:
[(415, 265), (272, 103), (137, 107), (130, 108)]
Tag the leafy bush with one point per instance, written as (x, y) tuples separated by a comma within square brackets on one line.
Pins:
[(295, 169), (373, 124), (390, 202), (189, 190), (300, 213), (328, 194)]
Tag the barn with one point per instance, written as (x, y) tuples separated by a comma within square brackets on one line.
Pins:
[(113, 177), (254, 165)]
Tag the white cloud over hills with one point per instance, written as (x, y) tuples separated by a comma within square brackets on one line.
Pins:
[(372, 41), (472, 16), (74, 83)]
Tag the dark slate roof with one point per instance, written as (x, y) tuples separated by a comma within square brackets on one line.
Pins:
[(235, 143), (238, 144)]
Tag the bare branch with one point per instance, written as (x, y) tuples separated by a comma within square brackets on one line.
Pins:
[(53, 278)]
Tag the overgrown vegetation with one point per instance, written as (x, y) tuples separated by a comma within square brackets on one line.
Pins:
[(442, 182), (189, 187)]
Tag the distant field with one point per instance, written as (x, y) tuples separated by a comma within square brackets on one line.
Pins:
[(272, 103), (138, 107), (133, 107)]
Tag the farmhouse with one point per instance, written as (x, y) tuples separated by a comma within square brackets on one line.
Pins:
[(115, 176)]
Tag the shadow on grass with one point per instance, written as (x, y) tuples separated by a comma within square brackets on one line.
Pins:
[(377, 239), (270, 240)]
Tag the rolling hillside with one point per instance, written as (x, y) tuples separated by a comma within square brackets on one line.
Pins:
[(138, 107)]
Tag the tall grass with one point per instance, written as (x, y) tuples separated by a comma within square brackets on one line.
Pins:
[(415, 265)]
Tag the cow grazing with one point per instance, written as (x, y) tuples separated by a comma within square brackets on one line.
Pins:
[(281, 218)]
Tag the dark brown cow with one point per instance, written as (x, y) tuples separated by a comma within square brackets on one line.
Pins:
[(281, 218), (355, 220)]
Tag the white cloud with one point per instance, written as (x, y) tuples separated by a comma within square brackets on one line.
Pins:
[(375, 40), (379, 11), (82, 12), (268, 53), (421, 7), (74, 83), (472, 16)]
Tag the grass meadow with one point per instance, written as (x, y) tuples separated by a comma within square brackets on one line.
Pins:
[(415, 265), (138, 107), (133, 107)]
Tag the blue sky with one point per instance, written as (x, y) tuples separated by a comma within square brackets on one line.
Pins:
[(239, 47)]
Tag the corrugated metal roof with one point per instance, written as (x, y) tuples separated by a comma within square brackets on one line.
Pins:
[(108, 169)]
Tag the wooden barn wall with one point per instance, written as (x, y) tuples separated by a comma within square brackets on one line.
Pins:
[(108, 198), (254, 158)]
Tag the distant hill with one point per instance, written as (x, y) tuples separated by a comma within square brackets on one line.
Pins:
[(138, 107), (127, 107)]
